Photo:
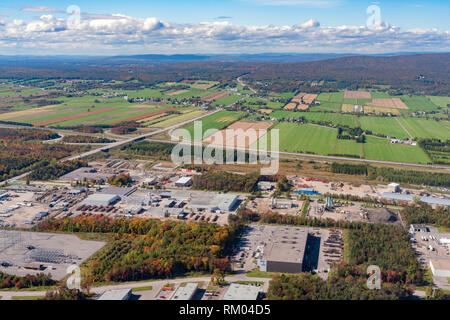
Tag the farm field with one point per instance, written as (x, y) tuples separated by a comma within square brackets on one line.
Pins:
[(227, 100), (381, 149), (174, 119), (217, 121), (416, 103), (334, 118), (440, 101), (423, 128), (384, 126), (258, 103), (323, 141)]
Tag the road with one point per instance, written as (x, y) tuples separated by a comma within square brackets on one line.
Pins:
[(242, 83), (156, 286), (138, 138), (111, 145)]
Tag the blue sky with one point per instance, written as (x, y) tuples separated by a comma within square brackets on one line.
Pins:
[(223, 26)]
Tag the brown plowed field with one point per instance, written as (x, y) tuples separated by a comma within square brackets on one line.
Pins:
[(146, 115), (393, 103), (290, 106), (231, 137), (348, 94), (215, 96), (74, 116)]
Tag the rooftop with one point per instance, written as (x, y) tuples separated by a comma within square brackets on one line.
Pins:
[(101, 197), (186, 292), (441, 264), (242, 292), (285, 244), (118, 294), (410, 198), (118, 191)]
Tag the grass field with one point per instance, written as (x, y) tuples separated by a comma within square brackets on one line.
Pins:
[(323, 141), (228, 100), (386, 126), (174, 119), (382, 149), (418, 103), (440, 101), (334, 118), (217, 121), (423, 128)]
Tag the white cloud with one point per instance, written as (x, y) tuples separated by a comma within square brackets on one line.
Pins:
[(40, 9), (119, 33), (299, 3)]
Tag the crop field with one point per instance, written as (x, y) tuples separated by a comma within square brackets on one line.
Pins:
[(327, 106), (257, 103), (217, 121), (418, 103), (378, 110), (175, 119), (215, 96), (227, 100), (334, 118), (348, 94), (384, 126), (239, 134), (77, 116), (391, 103), (381, 149), (423, 128), (440, 101), (323, 141)]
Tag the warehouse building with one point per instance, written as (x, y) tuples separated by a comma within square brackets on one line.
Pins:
[(186, 293), (242, 292), (184, 182), (394, 187), (119, 294), (122, 192), (284, 249), (99, 199), (440, 268), (410, 198)]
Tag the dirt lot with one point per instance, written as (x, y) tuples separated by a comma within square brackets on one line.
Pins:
[(263, 205), (26, 211)]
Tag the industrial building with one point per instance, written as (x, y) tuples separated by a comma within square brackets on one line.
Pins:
[(281, 204), (122, 192), (440, 268), (284, 249), (212, 201), (418, 228), (242, 292), (184, 182), (265, 186), (186, 293), (410, 198), (99, 199), (118, 294), (394, 187)]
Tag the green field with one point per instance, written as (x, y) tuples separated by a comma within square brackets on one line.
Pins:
[(440, 101), (217, 121), (385, 126), (381, 149), (333, 118), (323, 141), (416, 103), (227, 100), (177, 119), (423, 128)]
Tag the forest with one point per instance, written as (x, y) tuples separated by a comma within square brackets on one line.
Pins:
[(393, 175), (425, 214), (346, 282), (51, 170), (386, 246), (28, 281), (226, 182), (85, 139), (22, 150), (145, 249)]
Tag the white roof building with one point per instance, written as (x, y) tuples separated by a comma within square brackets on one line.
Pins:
[(440, 268), (242, 292), (186, 293), (119, 294)]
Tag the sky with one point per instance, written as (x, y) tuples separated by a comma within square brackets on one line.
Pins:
[(113, 27)]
